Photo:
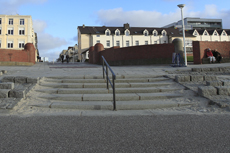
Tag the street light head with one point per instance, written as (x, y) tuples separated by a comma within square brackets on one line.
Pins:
[(181, 5)]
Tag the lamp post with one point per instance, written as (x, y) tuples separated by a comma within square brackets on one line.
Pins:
[(183, 28)]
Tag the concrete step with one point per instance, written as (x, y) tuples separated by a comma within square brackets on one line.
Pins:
[(104, 90), (108, 97), (103, 85), (108, 105), (103, 81)]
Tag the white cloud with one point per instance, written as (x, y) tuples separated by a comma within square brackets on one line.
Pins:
[(117, 16), (39, 25), (12, 6)]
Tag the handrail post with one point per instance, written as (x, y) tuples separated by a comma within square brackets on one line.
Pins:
[(107, 77), (114, 96), (103, 69)]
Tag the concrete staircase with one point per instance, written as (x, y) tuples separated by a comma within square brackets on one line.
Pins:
[(90, 93)]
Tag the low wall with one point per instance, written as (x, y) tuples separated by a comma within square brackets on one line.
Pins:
[(199, 49), (138, 55), (18, 57)]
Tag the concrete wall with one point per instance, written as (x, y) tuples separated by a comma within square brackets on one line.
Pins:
[(199, 49), (15, 57), (136, 55)]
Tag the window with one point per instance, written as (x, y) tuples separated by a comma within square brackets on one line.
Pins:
[(11, 21), (146, 42), (195, 33), (21, 44), (21, 31), (98, 35), (0, 20), (10, 31), (205, 33), (117, 33), (107, 33), (215, 33), (224, 34), (10, 44), (22, 21), (137, 43), (155, 33), (98, 41), (108, 43), (146, 33), (0, 30), (117, 43), (127, 33), (0, 44), (164, 33), (127, 43), (155, 42)]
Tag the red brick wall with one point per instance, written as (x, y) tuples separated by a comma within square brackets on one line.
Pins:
[(163, 51), (11, 55), (199, 49)]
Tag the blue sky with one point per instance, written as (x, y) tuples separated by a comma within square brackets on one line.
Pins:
[(56, 21)]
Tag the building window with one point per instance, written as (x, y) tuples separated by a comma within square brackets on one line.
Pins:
[(0, 44), (10, 31), (10, 44), (205, 33), (0, 31), (0, 20), (146, 33), (11, 21), (107, 32), (98, 41), (117, 33), (155, 42), (127, 33), (98, 35), (108, 43), (215, 33), (127, 43), (137, 43), (195, 33), (21, 44), (224, 34), (164, 34), (21, 31), (155, 33), (146, 42), (117, 43), (22, 22)]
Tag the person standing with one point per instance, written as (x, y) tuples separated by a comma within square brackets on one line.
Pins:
[(217, 55), (62, 58), (210, 55), (67, 58)]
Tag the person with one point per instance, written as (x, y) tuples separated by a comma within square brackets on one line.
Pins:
[(67, 58), (217, 55), (62, 58), (210, 55)]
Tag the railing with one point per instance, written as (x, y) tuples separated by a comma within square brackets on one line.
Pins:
[(105, 67)]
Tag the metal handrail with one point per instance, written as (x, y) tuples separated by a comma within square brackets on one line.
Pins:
[(105, 70)]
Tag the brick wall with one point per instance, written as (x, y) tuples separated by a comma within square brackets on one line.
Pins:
[(11, 55), (145, 54), (199, 49)]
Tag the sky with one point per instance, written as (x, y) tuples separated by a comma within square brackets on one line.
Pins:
[(56, 21)]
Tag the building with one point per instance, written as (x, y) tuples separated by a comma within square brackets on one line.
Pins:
[(16, 31), (134, 36), (197, 23)]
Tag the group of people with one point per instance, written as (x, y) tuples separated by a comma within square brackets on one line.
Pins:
[(65, 57), (213, 55)]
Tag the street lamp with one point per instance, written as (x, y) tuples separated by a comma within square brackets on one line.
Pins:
[(182, 18)]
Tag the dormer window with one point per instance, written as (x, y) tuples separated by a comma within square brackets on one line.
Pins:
[(163, 33), (146, 33), (215, 33), (154, 33), (127, 33), (117, 32), (224, 34), (205, 33), (195, 33), (107, 32)]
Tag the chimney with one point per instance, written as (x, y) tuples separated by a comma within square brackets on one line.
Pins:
[(126, 26), (83, 26)]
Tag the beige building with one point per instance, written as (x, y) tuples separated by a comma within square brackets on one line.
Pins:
[(16, 31)]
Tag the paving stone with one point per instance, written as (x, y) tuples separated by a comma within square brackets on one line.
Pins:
[(8, 79), (196, 69), (20, 79), (207, 91), (197, 78), (4, 71), (182, 78), (215, 69), (7, 85), (223, 90), (210, 78), (32, 80), (17, 93), (223, 69), (4, 93), (226, 83), (205, 69), (214, 83)]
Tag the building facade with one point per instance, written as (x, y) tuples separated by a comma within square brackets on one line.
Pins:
[(198, 23), (16, 31), (134, 36)]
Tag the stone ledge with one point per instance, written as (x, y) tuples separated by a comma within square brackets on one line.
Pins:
[(207, 91), (21, 93), (20, 79), (4, 93), (214, 83)]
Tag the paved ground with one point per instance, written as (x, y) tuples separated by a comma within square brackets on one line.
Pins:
[(128, 132)]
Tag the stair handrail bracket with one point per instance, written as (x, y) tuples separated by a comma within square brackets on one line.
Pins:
[(105, 67)]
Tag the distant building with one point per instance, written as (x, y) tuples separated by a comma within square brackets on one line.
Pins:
[(16, 31), (198, 23)]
